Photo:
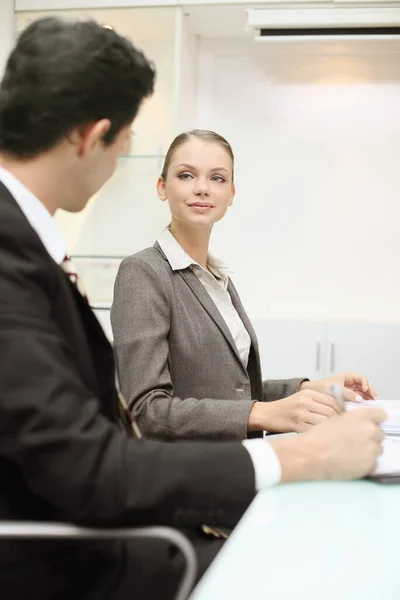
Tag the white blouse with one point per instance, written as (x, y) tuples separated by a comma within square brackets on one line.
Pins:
[(215, 282)]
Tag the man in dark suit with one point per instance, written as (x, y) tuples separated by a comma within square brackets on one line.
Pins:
[(67, 101)]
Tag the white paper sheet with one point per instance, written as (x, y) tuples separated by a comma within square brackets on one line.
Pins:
[(389, 460), (391, 407)]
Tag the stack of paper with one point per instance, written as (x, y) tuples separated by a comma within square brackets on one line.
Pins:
[(391, 407), (389, 461)]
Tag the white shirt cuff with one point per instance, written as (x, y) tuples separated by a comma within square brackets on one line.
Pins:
[(267, 468)]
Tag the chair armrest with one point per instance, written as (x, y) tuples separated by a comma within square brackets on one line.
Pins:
[(44, 530)]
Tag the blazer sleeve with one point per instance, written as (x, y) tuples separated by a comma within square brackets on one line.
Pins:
[(73, 458), (276, 389), (140, 318)]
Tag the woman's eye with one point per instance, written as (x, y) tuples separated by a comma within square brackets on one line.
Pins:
[(184, 175), (218, 178)]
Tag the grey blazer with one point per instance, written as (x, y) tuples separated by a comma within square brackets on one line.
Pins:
[(178, 365)]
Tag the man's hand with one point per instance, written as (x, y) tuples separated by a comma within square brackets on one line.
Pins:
[(355, 388), (345, 447), (296, 413)]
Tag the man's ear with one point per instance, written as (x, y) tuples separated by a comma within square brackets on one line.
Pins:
[(88, 137), (161, 189)]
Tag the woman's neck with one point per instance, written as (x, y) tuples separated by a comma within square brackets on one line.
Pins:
[(194, 241)]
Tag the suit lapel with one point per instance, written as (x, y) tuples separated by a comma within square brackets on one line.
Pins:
[(242, 314), (254, 351), (77, 322), (99, 369), (207, 303)]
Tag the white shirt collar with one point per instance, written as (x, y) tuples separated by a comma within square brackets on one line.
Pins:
[(37, 215), (179, 259)]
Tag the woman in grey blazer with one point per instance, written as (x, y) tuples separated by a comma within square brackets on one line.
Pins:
[(187, 355)]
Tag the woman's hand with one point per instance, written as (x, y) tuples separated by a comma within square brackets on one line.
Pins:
[(297, 412), (355, 388)]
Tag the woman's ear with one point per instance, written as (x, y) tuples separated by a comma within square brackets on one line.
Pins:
[(233, 194), (161, 189)]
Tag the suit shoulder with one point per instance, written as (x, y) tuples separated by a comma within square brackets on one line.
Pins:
[(149, 263), (148, 255), (22, 252)]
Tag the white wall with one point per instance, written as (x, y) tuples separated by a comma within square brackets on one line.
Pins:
[(7, 31), (314, 231), (186, 74)]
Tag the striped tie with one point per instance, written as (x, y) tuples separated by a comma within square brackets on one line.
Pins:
[(69, 268)]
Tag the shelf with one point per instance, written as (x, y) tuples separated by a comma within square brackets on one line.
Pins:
[(100, 306), (98, 274), (143, 156), (95, 257)]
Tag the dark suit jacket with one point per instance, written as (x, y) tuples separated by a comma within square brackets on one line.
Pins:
[(63, 455), (178, 364)]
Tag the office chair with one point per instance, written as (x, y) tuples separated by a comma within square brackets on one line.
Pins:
[(36, 529)]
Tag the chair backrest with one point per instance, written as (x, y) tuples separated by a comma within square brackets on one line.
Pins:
[(35, 530)]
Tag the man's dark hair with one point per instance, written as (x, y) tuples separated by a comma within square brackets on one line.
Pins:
[(62, 75)]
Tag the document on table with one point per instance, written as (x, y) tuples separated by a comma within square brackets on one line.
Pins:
[(389, 461), (391, 407)]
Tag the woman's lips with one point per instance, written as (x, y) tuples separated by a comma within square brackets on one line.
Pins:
[(200, 206)]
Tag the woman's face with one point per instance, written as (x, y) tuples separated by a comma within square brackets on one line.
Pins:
[(198, 185)]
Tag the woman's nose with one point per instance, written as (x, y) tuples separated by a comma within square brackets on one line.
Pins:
[(201, 187)]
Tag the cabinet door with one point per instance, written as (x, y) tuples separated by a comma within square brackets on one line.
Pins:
[(372, 349), (291, 348)]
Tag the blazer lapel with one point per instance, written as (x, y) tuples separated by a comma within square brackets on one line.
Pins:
[(207, 303), (205, 300), (98, 370), (247, 323), (242, 313)]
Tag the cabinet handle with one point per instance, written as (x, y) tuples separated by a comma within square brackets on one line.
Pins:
[(332, 357), (318, 357)]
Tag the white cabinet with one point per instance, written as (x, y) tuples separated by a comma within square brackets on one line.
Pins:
[(291, 348), (369, 348), (317, 350)]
